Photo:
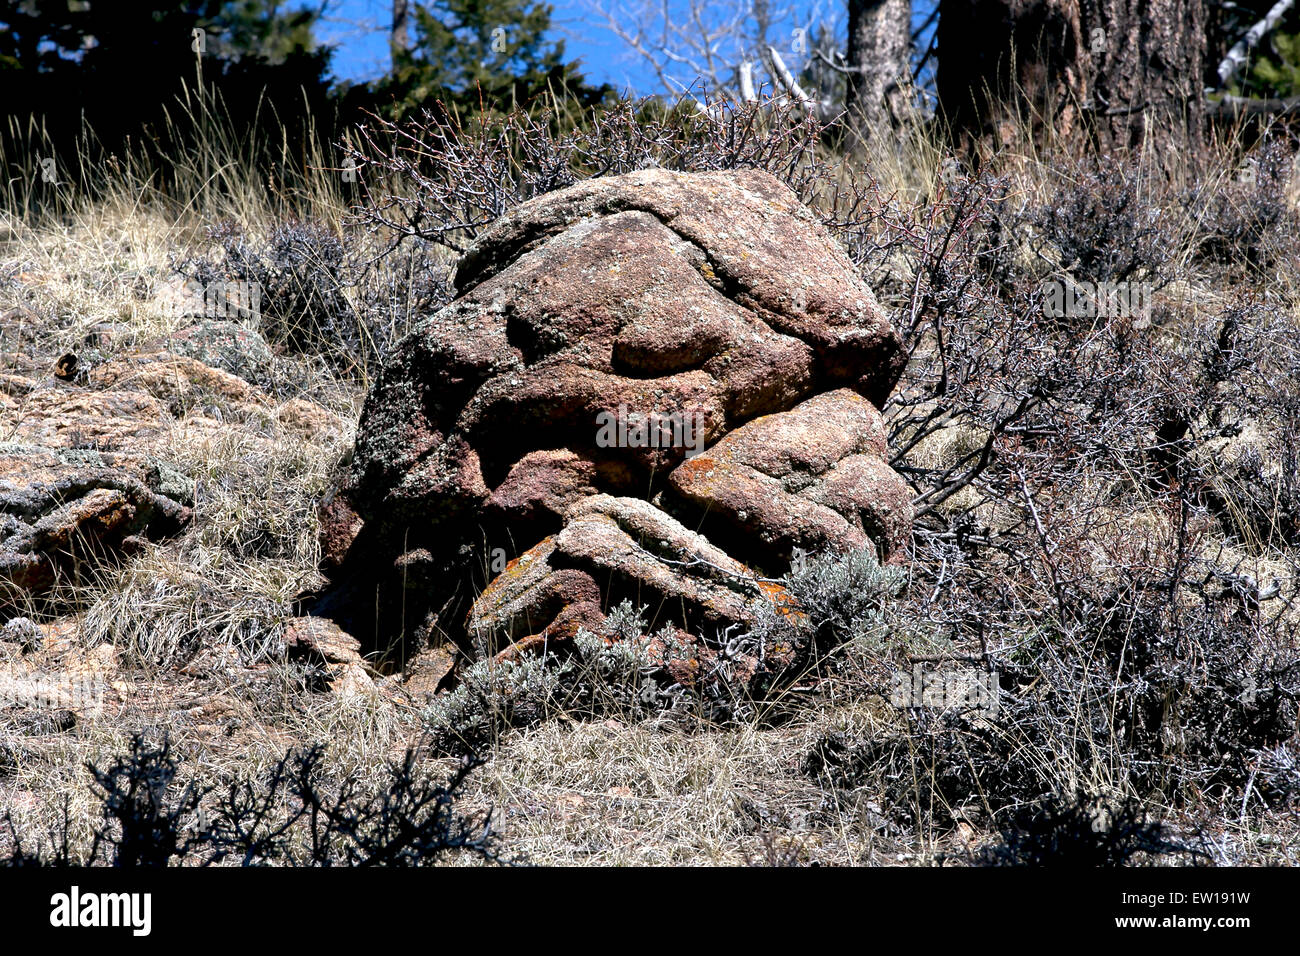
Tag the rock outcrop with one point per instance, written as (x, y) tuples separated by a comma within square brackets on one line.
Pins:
[(228, 346), (653, 386), (84, 469), (63, 510)]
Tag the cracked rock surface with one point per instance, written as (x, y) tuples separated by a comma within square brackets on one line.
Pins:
[(61, 510)]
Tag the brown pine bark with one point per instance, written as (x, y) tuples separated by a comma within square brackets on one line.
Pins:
[(1129, 73), (399, 40), (1149, 87), (879, 61)]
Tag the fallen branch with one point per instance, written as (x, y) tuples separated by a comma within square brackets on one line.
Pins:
[(782, 75), (747, 82), (1240, 52), (1246, 106)]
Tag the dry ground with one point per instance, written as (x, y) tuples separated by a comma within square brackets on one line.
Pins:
[(614, 791)]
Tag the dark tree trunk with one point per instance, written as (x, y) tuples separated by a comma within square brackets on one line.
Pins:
[(1128, 72), (1149, 87), (399, 40), (880, 40), (1002, 62)]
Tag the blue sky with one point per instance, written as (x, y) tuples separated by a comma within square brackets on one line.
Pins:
[(359, 29)]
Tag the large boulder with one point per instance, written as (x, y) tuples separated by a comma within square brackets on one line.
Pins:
[(623, 354)]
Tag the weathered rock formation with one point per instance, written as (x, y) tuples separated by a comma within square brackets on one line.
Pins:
[(84, 469), (62, 510), (653, 386)]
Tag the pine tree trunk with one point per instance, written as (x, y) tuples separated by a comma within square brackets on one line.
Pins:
[(880, 35), (399, 40), (1149, 88), (1128, 72)]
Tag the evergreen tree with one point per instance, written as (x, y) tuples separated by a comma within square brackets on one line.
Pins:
[(483, 54), (121, 68), (91, 35)]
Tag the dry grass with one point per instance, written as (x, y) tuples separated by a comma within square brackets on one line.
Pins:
[(195, 622)]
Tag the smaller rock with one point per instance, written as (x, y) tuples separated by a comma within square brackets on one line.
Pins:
[(103, 335), (24, 632), (65, 511), (76, 418), (16, 385), (350, 680), (634, 550), (811, 478), (19, 325), (307, 419), (339, 527), (228, 346), (542, 485), (426, 672), (181, 382), (65, 369), (321, 639)]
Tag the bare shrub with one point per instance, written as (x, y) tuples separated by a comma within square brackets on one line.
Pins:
[(1104, 226), (1247, 219), (1072, 528), (438, 181), (1082, 832), (292, 816), (303, 274)]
